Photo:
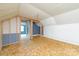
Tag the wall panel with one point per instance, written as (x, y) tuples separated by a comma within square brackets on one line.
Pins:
[(13, 25), (5, 26), (10, 35)]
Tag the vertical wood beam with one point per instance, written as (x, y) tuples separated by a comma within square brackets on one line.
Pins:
[(41, 27), (20, 26), (31, 28), (16, 25), (1, 35), (20, 22), (40, 30), (9, 28)]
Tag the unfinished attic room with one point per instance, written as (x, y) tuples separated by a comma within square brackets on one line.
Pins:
[(39, 29)]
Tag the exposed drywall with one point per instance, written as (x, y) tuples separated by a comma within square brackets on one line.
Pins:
[(29, 10), (67, 31), (18, 25), (52, 28), (13, 25), (5, 27), (11, 31), (68, 18)]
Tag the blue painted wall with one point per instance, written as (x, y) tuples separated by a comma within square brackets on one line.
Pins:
[(10, 38), (14, 37), (36, 29), (5, 39)]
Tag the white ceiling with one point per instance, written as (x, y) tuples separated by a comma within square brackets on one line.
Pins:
[(44, 10), (8, 10), (54, 9), (29, 10)]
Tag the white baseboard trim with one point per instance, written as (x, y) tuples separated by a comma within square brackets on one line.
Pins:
[(54, 38), (37, 35)]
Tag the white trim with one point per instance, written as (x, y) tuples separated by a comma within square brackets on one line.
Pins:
[(36, 35), (54, 38)]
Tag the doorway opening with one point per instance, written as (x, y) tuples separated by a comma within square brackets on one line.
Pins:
[(24, 29)]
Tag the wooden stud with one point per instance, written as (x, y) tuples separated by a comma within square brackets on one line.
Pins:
[(16, 25), (9, 27), (20, 26), (20, 22), (1, 34), (31, 29), (19, 30), (31, 24)]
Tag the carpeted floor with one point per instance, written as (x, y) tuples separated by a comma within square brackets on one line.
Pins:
[(40, 46)]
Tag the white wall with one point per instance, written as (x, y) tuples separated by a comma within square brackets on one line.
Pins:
[(15, 23), (5, 26), (68, 17), (9, 26), (49, 21), (18, 25), (68, 31)]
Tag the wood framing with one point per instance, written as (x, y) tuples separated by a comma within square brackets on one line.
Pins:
[(31, 19), (16, 25), (31, 29), (1, 35)]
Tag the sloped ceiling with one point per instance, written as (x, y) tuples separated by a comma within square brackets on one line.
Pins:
[(8, 10), (30, 10), (54, 9), (43, 10)]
